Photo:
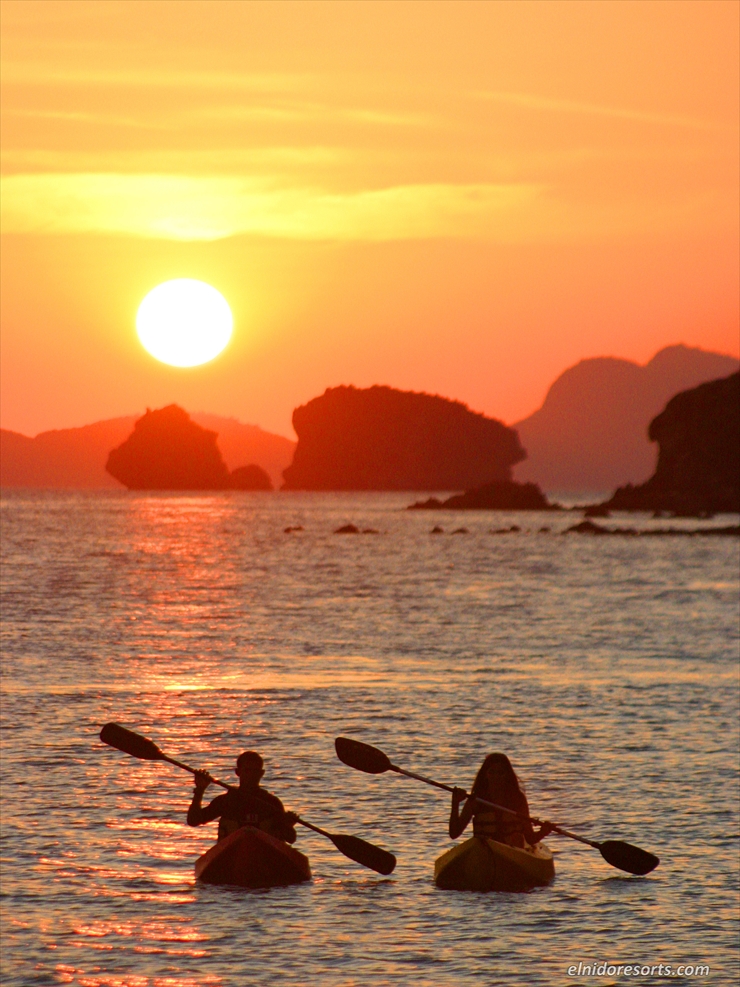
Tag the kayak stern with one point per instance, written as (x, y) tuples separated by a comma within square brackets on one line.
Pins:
[(486, 865), (251, 858)]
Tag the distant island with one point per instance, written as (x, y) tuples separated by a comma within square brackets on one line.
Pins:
[(698, 469), (591, 431), (169, 451), (75, 458), (380, 438), (505, 495)]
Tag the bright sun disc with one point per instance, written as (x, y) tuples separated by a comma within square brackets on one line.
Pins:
[(184, 322)]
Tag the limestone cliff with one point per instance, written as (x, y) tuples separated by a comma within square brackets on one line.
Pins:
[(698, 467), (591, 433), (169, 451), (380, 438)]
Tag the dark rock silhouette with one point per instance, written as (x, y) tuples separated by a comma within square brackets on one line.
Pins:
[(505, 495), (75, 458), (168, 451), (589, 528), (347, 529), (383, 439), (250, 477), (698, 469), (596, 510), (591, 432), (241, 443)]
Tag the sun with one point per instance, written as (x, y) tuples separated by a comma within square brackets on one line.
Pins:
[(184, 322)]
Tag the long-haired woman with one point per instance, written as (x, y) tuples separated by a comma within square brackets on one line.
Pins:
[(497, 782)]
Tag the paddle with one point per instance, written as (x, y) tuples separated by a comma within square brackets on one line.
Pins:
[(353, 847), (373, 761)]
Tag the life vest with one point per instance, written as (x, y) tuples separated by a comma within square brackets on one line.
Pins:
[(500, 826), (247, 810)]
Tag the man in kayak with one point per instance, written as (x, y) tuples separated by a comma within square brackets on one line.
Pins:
[(247, 805), (496, 782)]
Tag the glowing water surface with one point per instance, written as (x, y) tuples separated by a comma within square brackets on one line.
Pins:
[(606, 668)]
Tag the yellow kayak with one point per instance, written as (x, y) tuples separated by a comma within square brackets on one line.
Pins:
[(485, 865)]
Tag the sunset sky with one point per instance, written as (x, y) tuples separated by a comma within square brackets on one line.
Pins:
[(458, 198)]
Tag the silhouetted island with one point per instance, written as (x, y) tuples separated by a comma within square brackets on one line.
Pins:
[(380, 438), (75, 457), (505, 495), (698, 469), (591, 431), (168, 451)]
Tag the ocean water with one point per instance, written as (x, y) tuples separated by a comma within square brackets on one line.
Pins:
[(606, 668)]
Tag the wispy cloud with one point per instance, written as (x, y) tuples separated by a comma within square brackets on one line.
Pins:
[(533, 102), (209, 160), (27, 72), (184, 208)]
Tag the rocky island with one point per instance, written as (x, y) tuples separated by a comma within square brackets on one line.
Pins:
[(698, 469), (169, 451), (591, 432), (505, 495), (380, 438)]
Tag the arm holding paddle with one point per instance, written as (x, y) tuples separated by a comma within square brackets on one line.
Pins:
[(196, 813), (459, 820)]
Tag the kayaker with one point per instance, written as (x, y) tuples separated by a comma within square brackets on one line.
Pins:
[(247, 805), (497, 782)]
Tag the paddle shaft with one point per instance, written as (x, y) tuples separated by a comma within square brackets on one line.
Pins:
[(186, 767), (316, 829), (493, 805)]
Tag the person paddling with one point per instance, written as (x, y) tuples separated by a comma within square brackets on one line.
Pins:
[(496, 782), (247, 805)]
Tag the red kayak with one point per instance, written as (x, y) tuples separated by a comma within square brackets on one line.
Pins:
[(251, 858)]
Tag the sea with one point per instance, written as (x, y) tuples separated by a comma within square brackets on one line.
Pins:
[(606, 668)]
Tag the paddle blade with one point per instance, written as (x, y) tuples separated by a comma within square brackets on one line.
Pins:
[(361, 756), (627, 857), (364, 853), (129, 742)]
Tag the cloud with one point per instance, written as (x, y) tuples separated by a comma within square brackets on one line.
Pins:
[(181, 207), (532, 102), (26, 72), (177, 207)]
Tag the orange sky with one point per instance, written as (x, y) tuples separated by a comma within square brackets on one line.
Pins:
[(461, 198)]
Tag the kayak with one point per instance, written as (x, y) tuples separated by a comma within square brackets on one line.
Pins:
[(251, 858), (485, 865)]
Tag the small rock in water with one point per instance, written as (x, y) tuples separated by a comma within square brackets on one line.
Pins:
[(347, 529), (544, 531), (295, 527), (436, 530), (460, 531), (597, 510), (587, 528)]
